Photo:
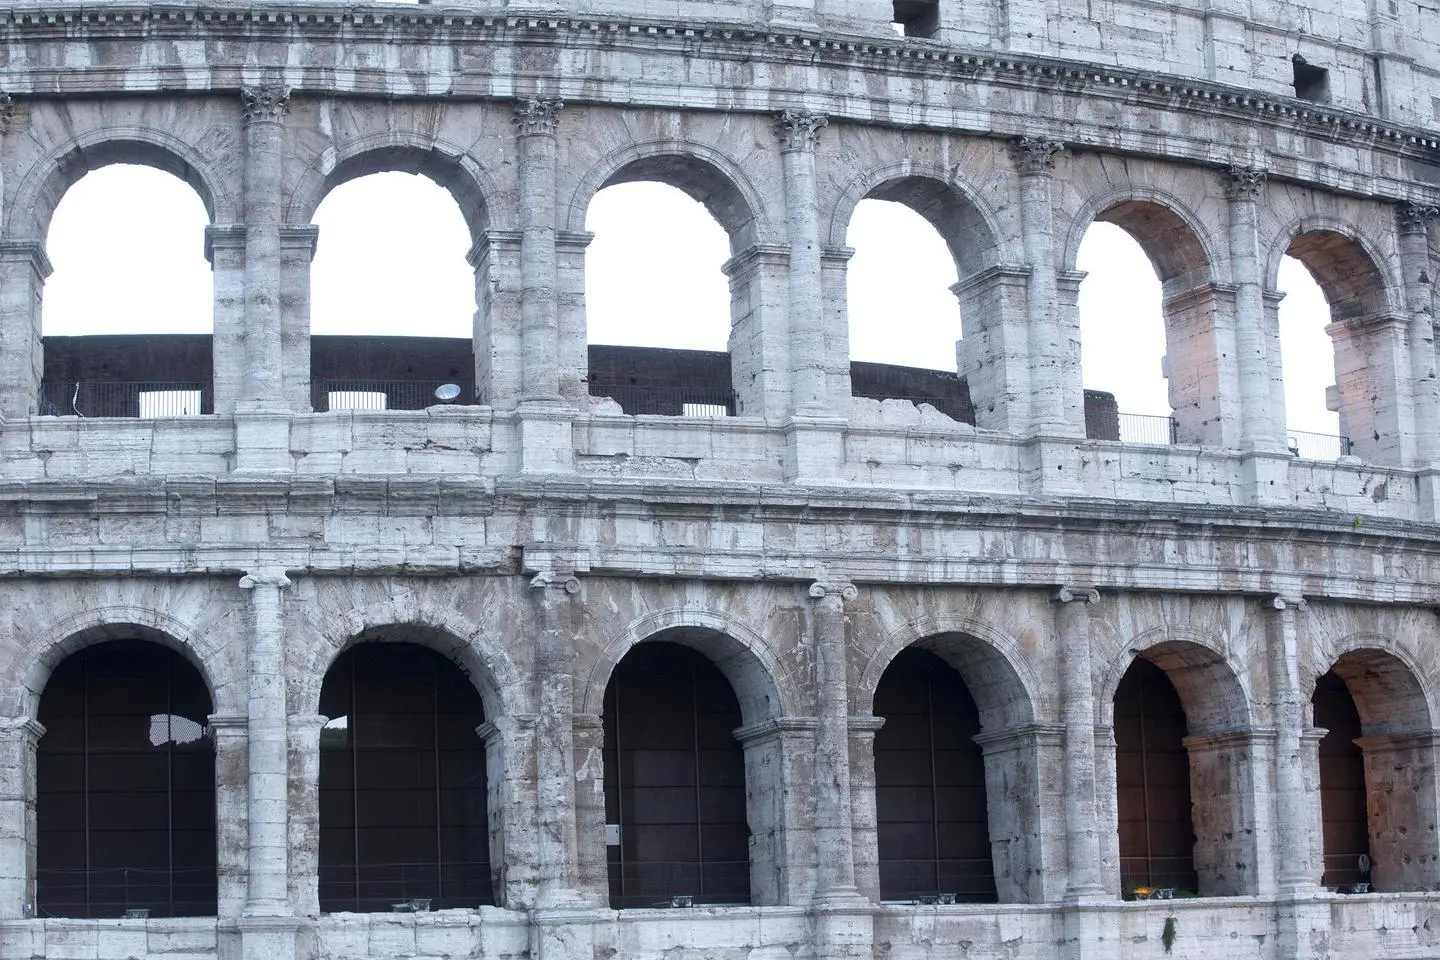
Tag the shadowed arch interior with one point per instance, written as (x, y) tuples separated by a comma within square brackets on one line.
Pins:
[(403, 782), (1172, 246), (1347, 275), (1388, 696), (125, 784), (1344, 832)]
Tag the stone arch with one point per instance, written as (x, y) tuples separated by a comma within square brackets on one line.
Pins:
[(1345, 263), (948, 203), (760, 681), (58, 170), (446, 163), (1211, 686), (700, 171), (54, 642), (495, 676), (1384, 680), (1172, 235), (990, 661)]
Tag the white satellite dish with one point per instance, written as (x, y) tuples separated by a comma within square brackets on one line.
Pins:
[(447, 392)]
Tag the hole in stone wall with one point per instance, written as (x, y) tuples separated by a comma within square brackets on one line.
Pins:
[(1311, 82), (917, 18)]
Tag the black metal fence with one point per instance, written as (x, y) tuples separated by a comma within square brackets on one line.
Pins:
[(668, 401), (112, 891), (1317, 446), (125, 398), (951, 880), (683, 883), (383, 887), (328, 395)]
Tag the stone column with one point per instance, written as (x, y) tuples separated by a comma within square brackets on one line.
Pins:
[(225, 249), (1035, 161), (232, 825), (1077, 697), (304, 826), (799, 133), (834, 841), (780, 753), (994, 354), (23, 269), (555, 597), (18, 739), (1293, 803), (759, 346), (267, 892), (1424, 382), (262, 418), (496, 260), (297, 250), (535, 123)]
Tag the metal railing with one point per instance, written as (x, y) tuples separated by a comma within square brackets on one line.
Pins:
[(125, 398), (111, 891), (1177, 873), (382, 887), (330, 395), (928, 880), (655, 883), (668, 401), (1146, 428), (1317, 446)]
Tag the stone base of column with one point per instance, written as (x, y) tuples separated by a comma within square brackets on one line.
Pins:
[(267, 938), (842, 926), (1428, 507), (1093, 933), (262, 438), (1265, 477), (547, 443), (1303, 926), (563, 933), (1052, 467), (814, 450)]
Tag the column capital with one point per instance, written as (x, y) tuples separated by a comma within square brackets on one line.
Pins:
[(841, 589), (1035, 155), (537, 116), (306, 721), (265, 577), (567, 582), (1068, 594), (1415, 217), (7, 111), (1244, 183), (21, 728), (799, 129), (1282, 602), (218, 725), (264, 102)]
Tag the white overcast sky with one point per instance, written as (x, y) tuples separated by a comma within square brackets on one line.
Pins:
[(127, 247)]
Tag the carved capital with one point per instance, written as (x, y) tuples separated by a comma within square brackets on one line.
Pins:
[(21, 728), (1416, 217), (7, 111), (1070, 594), (1244, 183), (265, 577), (1035, 154), (265, 102), (821, 589), (799, 129), (1288, 603), (545, 578), (537, 116)]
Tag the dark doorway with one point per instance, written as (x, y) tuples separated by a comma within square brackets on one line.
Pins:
[(1152, 780), (1342, 784), (674, 781), (402, 783), (934, 834), (125, 809)]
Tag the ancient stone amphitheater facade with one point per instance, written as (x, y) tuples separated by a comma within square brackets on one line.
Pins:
[(824, 676)]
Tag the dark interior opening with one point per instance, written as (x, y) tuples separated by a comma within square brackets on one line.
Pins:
[(918, 18), (1311, 82), (930, 802), (1344, 827), (125, 809), (1152, 782), (674, 781), (403, 805)]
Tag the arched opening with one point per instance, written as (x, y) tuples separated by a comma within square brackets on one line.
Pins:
[(675, 803), (1340, 390), (1344, 835), (658, 305), (125, 785), (392, 295), (114, 345), (403, 783), (1182, 731), (1152, 780), (1150, 361), (903, 319), (930, 794), (1396, 777)]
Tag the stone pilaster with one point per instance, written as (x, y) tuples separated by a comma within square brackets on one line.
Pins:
[(297, 249), (994, 354), (511, 805), (592, 869), (759, 346), (1035, 162), (23, 269), (864, 821), (1424, 380), (799, 133), (1077, 699), (225, 249), (834, 844), (1372, 368), (304, 825), (557, 610), (18, 739), (535, 124), (267, 892), (1293, 803), (495, 258), (779, 753), (232, 824), (573, 349), (1401, 790)]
